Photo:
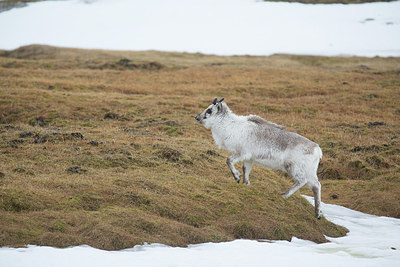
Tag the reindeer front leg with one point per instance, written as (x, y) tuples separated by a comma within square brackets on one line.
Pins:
[(231, 161)]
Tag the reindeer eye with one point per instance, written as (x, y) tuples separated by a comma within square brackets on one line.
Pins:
[(208, 111)]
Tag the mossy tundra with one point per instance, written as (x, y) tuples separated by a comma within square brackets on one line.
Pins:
[(101, 147)]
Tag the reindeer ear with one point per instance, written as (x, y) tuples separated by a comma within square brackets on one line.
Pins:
[(215, 101), (219, 105)]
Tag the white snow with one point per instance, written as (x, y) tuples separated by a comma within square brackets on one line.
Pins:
[(372, 241), (223, 27)]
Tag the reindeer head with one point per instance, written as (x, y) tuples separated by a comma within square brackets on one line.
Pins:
[(209, 114)]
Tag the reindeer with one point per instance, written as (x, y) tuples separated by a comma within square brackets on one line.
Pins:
[(251, 139)]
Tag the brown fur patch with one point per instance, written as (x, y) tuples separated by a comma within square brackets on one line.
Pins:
[(260, 121)]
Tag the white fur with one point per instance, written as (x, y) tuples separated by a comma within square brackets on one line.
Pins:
[(251, 140)]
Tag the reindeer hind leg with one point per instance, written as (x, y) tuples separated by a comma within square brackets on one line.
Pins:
[(316, 188), (297, 185)]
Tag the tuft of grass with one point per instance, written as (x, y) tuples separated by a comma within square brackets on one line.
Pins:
[(244, 230)]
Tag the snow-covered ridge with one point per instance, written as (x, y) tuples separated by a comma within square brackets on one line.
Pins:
[(222, 27), (372, 241)]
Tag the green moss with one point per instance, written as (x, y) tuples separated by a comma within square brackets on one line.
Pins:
[(169, 154), (217, 238), (389, 83), (331, 174), (173, 130), (281, 234), (18, 201), (148, 226), (88, 202), (137, 199), (244, 230), (59, 226), (377, 162), (194, 220)]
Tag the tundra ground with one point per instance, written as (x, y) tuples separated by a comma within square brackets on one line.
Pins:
[(101, 147)]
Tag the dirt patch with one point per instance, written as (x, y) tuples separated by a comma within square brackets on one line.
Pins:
[(19, 170), (26, 134), (7, 128), (111, 116), (39, 138), (14, 143), (76, 169), (93, 143), (38, 121), (376, 123), (126, 64), (137, 199), (135, 145), (378, 162), (115, 116), (373, 148), (331, 174), (91, 202), (358, 170), (334, 196), (212, 153), (169, 154)]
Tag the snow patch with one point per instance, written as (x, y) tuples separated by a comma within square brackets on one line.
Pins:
[(222, 27), (372, 241)]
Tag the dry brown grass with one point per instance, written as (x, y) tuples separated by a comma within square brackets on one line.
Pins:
[(145, 172)]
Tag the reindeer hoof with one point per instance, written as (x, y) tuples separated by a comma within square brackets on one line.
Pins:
[(237, 178), (319, 216)]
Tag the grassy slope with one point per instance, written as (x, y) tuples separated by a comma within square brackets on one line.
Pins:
[(156, 176)]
